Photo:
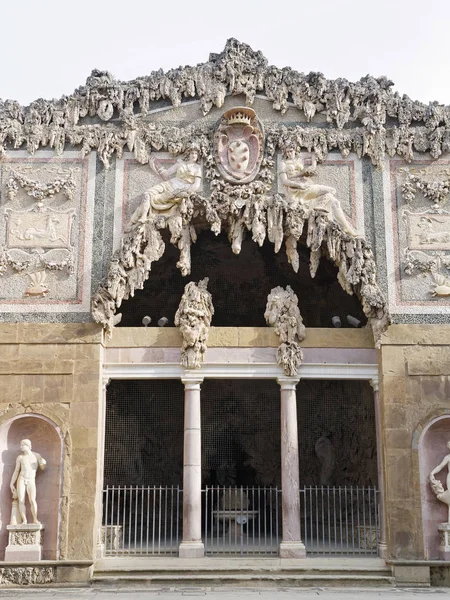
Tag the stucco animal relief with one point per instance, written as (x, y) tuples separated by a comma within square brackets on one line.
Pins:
[(283, 314), (193, 318), (238, 145)]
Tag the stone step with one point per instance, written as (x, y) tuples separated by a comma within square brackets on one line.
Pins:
[(244, 572), (245, 579)]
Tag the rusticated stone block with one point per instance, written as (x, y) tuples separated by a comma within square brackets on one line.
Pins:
[(428, 361), (393, 361), (413, 575), (423, 334)]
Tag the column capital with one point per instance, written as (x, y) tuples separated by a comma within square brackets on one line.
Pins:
[(105, 382), (288, 383), (192, 382), (374, 382)]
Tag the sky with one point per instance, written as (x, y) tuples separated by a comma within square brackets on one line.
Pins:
[(49, 47)]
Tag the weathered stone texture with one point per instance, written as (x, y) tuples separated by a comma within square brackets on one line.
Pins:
[(414, 388), (55, 371), (238, 337)]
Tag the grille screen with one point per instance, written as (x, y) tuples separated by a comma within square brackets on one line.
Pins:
[(240, 432)]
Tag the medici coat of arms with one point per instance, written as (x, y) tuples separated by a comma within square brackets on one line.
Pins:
[(238, 145)]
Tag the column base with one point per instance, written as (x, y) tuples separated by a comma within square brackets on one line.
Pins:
[(382, 550), (292, 550), (24, 543), (191, 550)]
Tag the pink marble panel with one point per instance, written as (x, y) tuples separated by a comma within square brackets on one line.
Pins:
[(47, 442), (432, 449)]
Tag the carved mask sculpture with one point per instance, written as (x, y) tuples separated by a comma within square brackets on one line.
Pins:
[(239, 145)]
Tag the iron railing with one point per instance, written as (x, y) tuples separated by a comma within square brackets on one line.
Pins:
[(241, 520), (141, 520), (339, 520)]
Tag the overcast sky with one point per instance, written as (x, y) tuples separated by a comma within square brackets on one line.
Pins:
[(49, 47)]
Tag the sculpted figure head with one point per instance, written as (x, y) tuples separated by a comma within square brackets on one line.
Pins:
[(25, 446)]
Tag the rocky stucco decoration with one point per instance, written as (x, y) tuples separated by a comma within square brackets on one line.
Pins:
[(193, 318), (108, 115), (254, 207), (283, 314)]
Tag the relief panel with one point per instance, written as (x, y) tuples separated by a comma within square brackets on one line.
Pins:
[(46, 217), (417, 215)]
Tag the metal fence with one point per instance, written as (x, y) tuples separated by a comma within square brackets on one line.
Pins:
[(339, 520), (241, 521), (141, 520)]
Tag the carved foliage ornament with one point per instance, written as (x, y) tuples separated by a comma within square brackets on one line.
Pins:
[(27, 575)]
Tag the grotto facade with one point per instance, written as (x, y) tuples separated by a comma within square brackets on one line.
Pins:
[(224, 321)]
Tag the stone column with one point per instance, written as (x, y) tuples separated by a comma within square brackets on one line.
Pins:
[(382, 548), (101, 465), (291, 545), (192, 545)]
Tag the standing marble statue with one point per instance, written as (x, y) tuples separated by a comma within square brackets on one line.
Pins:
[(438, 488), (193, 318), (444, 496), (294, 176), (23, 482)]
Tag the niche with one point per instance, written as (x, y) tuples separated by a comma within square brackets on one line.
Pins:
[(46, 439), (432, 449)]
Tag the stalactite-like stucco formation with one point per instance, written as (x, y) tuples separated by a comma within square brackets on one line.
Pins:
[(225, 178), (283, 314), (109, 116), (193, 318)]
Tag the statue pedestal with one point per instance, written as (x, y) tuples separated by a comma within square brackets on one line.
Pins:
[(444, 546), (24, 542)]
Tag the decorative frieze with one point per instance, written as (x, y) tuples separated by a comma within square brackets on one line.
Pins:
[(27, 575)]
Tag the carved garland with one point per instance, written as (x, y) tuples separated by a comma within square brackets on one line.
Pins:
[(37, 190), (120, 109)]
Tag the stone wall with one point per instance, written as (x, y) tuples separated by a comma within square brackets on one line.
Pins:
[(54, 371), (414, 388)]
